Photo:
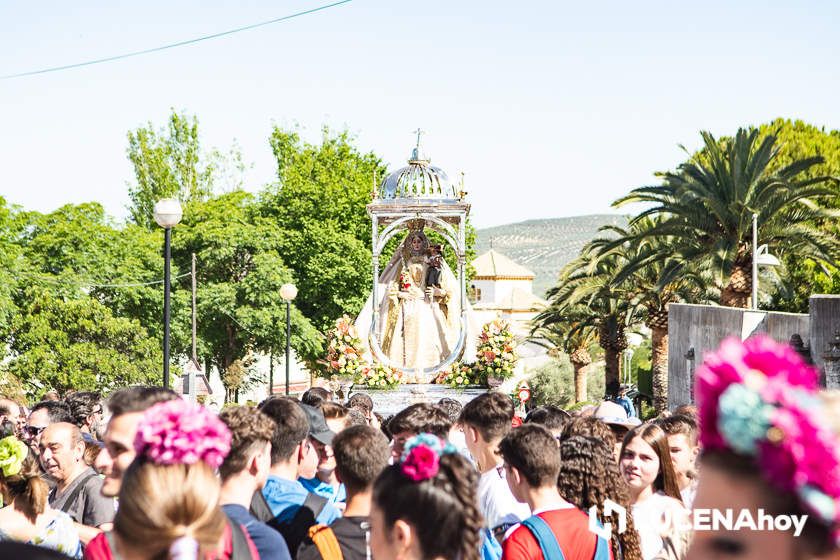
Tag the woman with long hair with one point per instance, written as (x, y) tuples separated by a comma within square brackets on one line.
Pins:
[(424, 506), (28, 516), (169, 497), (646, 466), (771, 449), (589, 477)]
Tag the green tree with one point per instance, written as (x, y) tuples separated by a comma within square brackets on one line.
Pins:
[(319, 204), (571, 337), (655, 278), (62, 343), (706, 209), (330, 183), (239, 274), (552, 383), (588, 282), (167, 163)]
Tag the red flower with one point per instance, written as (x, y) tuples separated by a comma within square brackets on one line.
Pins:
[(421, 464)]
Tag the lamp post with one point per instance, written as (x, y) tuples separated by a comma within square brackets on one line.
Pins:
[(167, 213), (288, 293), (760, 256)]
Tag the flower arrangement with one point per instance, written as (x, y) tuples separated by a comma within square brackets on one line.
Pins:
[(12, 453), (346, 359), (460, 375), (379, 376), (421, 455), (757, 398), (180, 433), (345, 350), (496, 355)]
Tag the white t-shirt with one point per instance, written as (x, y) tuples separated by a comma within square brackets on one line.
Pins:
[(647, 517), (497, 504), (687, 494)]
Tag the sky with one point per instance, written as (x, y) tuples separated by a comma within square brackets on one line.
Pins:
[(550, 109)]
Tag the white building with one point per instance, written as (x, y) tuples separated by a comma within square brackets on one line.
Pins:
[(503, 288)]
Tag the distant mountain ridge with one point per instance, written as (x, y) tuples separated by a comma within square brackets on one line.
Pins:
[(544, 246)]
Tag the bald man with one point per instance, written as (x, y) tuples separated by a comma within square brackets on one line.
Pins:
[(78, 488)]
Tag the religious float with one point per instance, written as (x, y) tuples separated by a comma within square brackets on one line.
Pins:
[(417, 335)]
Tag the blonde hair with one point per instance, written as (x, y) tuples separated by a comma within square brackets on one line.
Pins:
[(161, 503)]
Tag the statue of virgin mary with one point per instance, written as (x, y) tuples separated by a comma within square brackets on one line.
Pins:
[(418, 324)]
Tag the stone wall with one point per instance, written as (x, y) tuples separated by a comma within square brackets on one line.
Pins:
[(701, 329), (825, 320)]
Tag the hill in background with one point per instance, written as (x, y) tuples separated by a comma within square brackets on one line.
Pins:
[(544, 246)]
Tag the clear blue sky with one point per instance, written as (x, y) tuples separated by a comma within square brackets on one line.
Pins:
[(550, 108)]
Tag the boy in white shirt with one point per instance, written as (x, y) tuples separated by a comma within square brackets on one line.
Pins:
[(682, 443), (485, 421)]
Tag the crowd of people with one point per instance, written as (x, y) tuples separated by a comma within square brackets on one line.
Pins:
[(148, 475)]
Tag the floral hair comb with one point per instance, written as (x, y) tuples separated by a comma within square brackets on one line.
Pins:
[(180, 433), (421, 455), (12, 453), (759, 399)]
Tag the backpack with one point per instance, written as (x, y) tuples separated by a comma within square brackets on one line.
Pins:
[(326, 542), (490, 547), (296, 529), (548, 542)]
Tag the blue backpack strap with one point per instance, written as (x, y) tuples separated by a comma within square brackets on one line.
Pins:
[(602, 549), (545, 538)]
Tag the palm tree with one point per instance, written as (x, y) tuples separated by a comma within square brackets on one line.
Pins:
[(586, 298), (652, 287), (706, 210), (564, 333)]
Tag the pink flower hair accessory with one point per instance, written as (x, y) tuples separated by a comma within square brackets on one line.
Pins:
[(181, 433), (421, 455), (757, 398)]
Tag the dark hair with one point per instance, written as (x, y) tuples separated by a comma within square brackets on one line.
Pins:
[(250, 430), (654, 436), (27, 485), (57, 411), (362, 401), (588, 426), (550, 416), (489, 413), (532, 450), (138, 399), (291, 426), (443, 509), (7, 428), (385, 425), (680, 424), (361, 452), (356, 417), (82, 404), (816, 539), (588, 477), (315, 396), (451, 407), (332, 411), (10, 549), (689, 410), (421, 417)]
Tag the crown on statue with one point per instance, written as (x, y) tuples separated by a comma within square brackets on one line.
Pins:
[(416, 224)]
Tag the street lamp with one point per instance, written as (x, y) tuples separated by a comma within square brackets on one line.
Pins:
[(167, 213), (760, 256), (288, 293)]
